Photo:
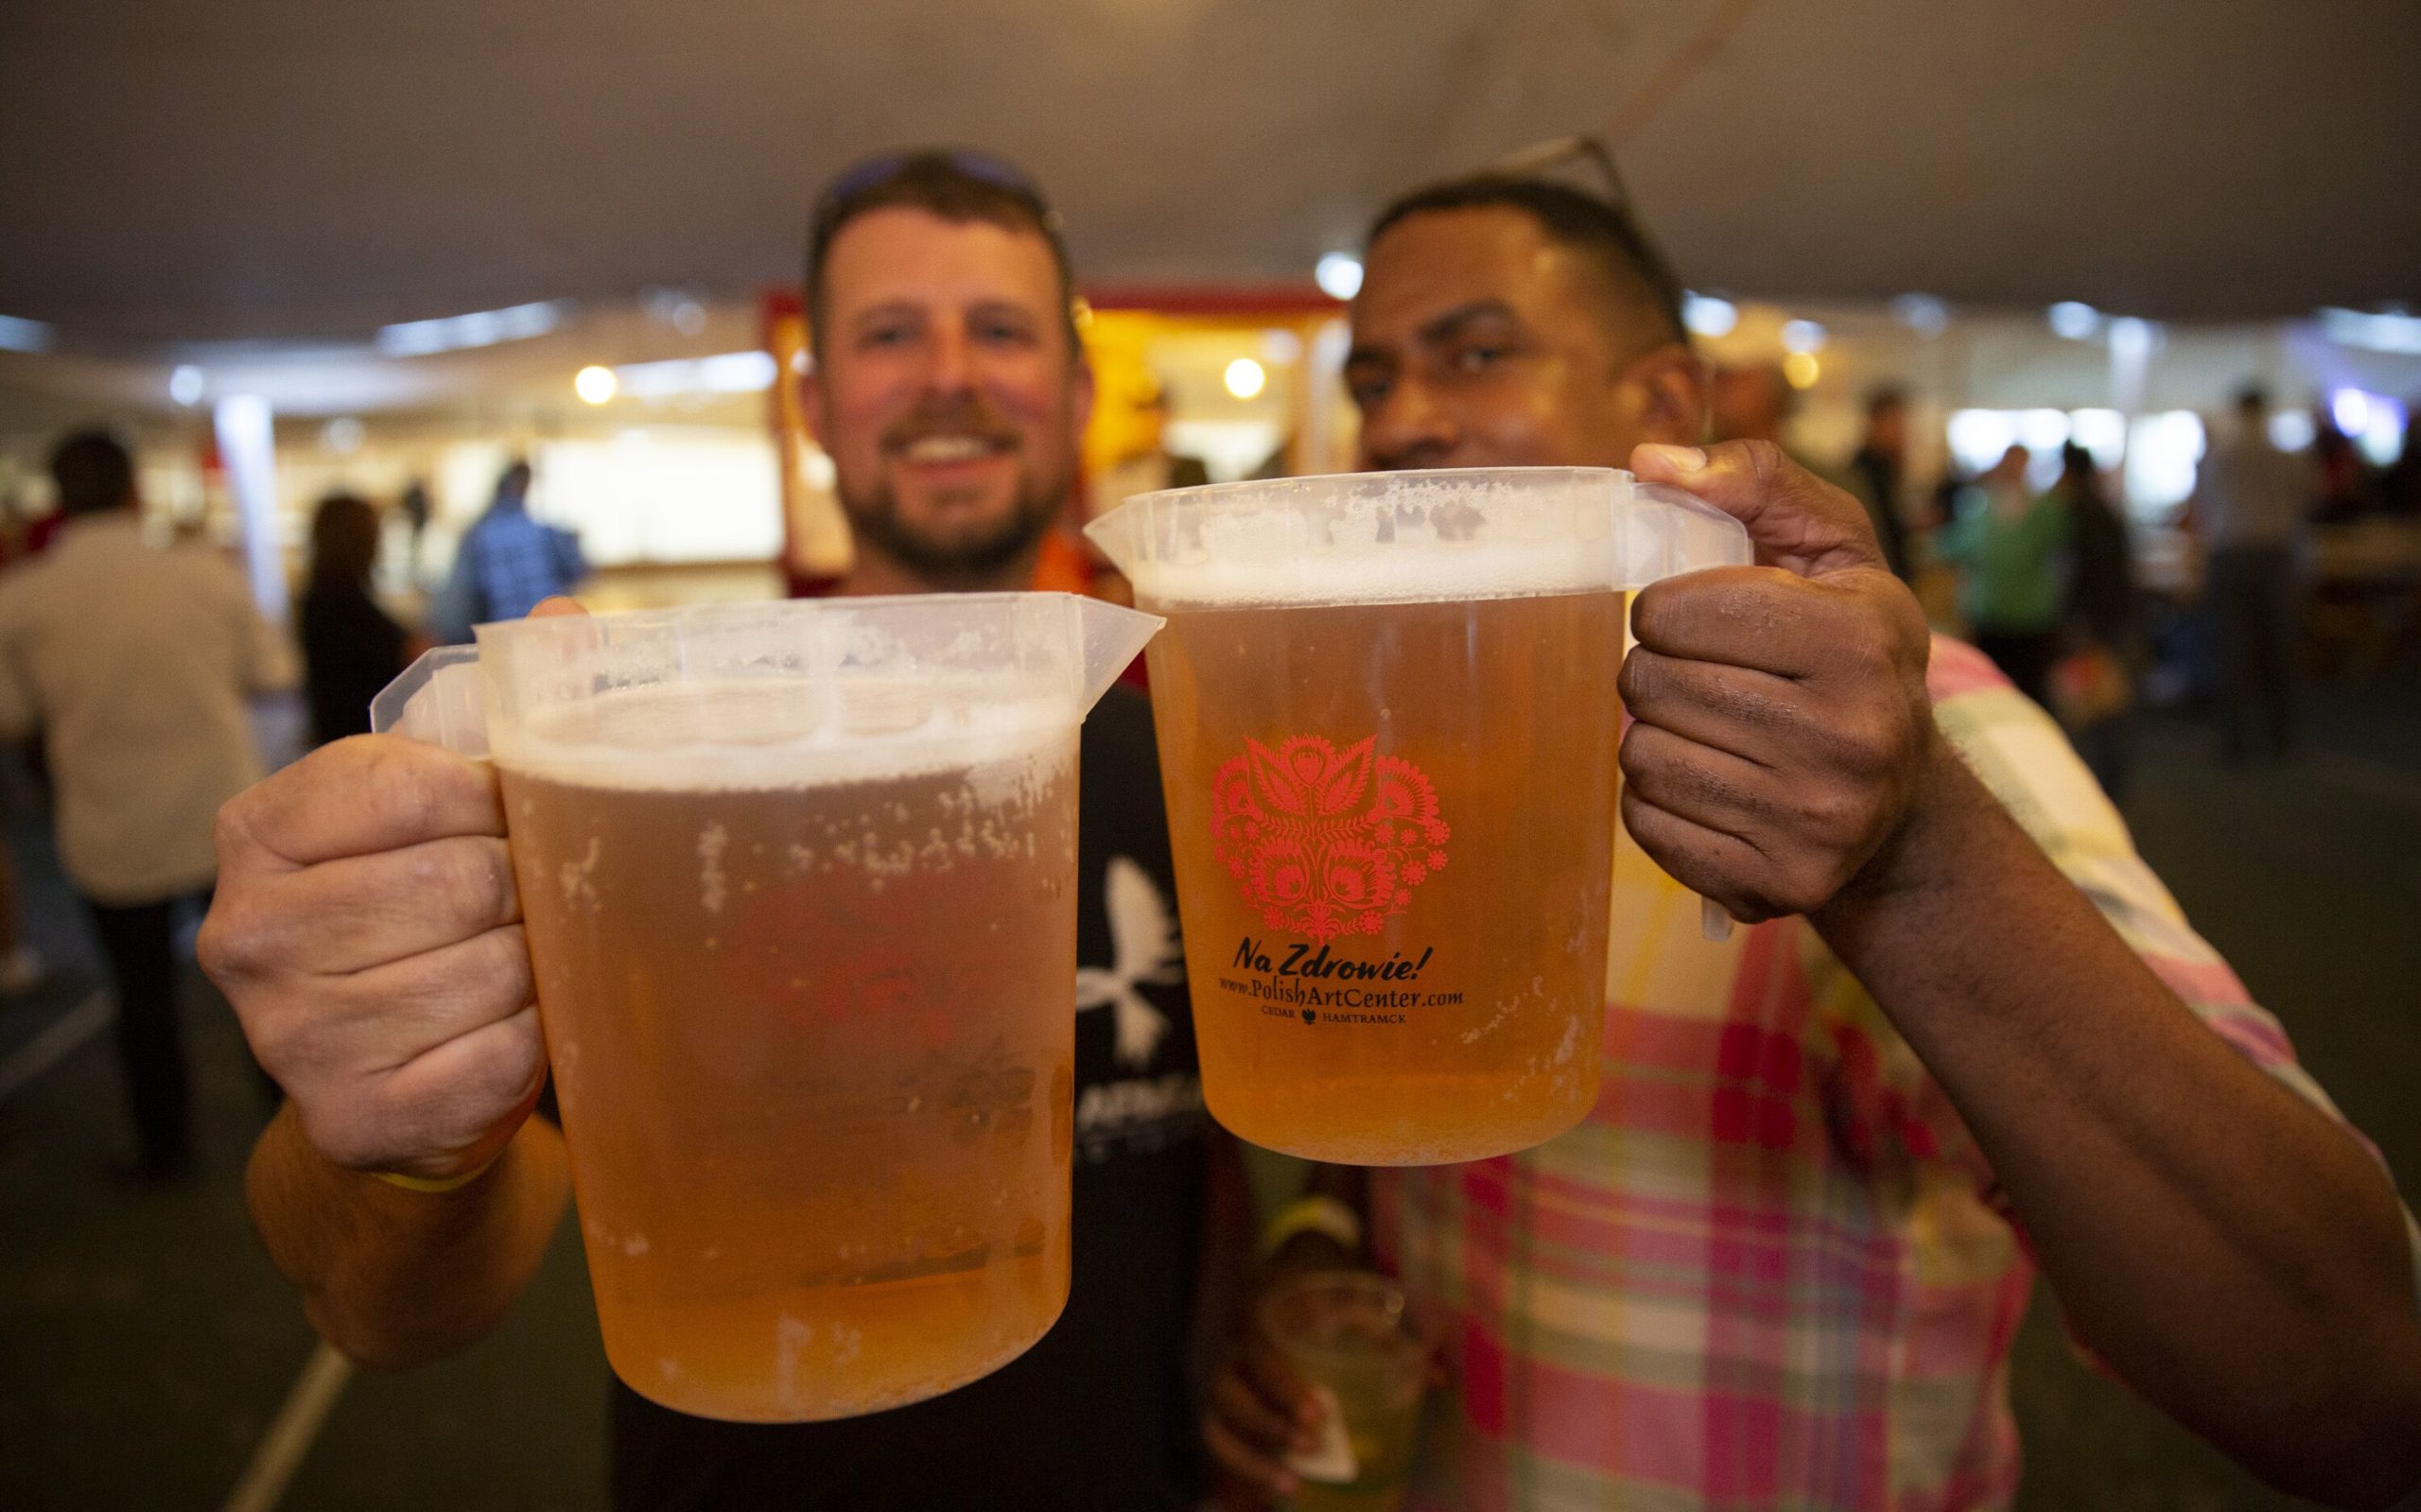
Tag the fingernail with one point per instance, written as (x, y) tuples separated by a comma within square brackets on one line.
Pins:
[(1679, 458)]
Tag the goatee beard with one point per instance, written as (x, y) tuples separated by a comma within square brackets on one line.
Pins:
[(876, 523)]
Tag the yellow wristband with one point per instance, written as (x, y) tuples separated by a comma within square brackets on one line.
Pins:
[(1313, 1215), (396, 1178)]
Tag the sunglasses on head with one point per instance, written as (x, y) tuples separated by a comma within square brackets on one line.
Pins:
[(1553, 161), (873, 173)]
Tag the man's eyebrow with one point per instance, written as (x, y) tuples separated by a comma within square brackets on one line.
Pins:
[(1447, 324), (1441, 327), (887, 309)]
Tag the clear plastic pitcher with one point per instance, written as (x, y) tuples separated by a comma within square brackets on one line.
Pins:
[(799, 886), (1388, 723)]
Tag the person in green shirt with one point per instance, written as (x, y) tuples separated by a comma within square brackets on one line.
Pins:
[(2010, 546)]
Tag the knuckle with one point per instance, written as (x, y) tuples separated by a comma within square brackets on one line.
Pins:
[(281, 1049), (509, 951), (1763, 460), (1639, 756), (1866, 751), (397, 777), (1641, 678), (1833, 815), (1812, 886), (233, 947), (517, 1064), (1648, 611), (219, 947), (231, 829), (472, 878), (1866, 646)]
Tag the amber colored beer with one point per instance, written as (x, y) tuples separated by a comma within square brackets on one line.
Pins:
[(815, 1057), (1393, 828)]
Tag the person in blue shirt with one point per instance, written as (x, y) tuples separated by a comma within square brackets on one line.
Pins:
[(507, 563)]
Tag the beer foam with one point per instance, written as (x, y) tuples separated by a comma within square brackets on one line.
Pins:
[(786, 734), (1375, 577), (1413, 539)]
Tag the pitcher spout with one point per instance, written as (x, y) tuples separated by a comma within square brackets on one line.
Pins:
[(1114, 533), (1111, 638)]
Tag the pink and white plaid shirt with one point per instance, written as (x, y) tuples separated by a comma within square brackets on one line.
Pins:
[(1770, 1270)]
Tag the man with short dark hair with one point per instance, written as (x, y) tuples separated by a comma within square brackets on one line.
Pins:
[(135, 663), (949, 389), (1782, 1263), (1877, 472)]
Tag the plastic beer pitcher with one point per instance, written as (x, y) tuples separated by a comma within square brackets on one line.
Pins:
[(798, 881), (1387, 720)]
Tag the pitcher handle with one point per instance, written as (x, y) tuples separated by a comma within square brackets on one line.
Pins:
[(439, 699), (1684, 535)]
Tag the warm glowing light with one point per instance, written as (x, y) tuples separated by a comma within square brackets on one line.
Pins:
[(1246, 377), (1802, 370), (595, 384)]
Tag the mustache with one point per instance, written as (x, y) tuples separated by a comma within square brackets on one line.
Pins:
[(951, 420)]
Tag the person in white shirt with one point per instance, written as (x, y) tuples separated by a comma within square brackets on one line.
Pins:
[(2248, 507), (134, 664)]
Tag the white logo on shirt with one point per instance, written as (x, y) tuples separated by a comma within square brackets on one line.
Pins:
[(1143, 949)]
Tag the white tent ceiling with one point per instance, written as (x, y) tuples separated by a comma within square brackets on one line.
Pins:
[(177, 171)]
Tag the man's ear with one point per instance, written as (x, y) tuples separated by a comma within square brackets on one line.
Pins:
[(1671, 384)]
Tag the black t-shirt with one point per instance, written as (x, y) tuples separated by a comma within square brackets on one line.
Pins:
[(1098, 1413), (349, 650)]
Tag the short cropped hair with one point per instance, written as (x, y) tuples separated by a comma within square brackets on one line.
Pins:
[(954, 186), (344, 541), (1637, 271), (94, 472)]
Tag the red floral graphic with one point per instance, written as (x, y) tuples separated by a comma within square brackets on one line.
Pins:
[(1325, 841)]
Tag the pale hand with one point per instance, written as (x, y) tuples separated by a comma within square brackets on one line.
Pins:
[(368, 932)]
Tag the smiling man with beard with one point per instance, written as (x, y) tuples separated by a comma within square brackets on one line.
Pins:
[(949, 389), (949, 399)]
